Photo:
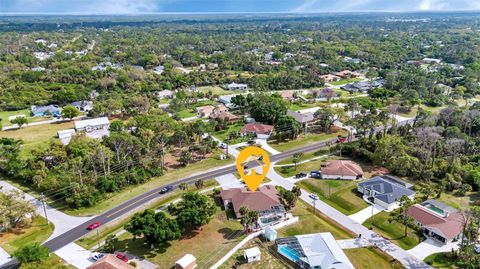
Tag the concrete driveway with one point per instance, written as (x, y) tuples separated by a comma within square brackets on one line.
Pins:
[(229, 181), (364, 214), (430, 246), (75, 255)]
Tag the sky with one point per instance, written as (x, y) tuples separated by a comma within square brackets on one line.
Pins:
[(219, 6)]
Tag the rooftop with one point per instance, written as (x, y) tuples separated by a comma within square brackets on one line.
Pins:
[(342, 168), (388, 188), (257, 128), (91, 122), (110, 262), (263, 199)]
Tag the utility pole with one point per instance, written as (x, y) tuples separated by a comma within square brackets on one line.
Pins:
[(42, 199), (98, 239), (314, 198)]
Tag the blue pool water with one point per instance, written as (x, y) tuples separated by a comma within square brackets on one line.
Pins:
[(289, 253)]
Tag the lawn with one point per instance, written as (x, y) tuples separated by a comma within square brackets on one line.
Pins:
[(216, 90), (208, 244), (37, 232), (37, 136), (344, 81), (299, 106), (91, 240), (306, 156), (170, 176), (223, 134), (441, 261), (309, 223), (371, 258), (186, 113), (393, 231), (268, 257), (340, 194), (305, 140)]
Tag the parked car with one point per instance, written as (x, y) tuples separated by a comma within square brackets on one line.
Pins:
[(341, 139), (94, 225), (223, 146), (122, 257), (97, 256), (166, 189), (315, 174), (251, 142), (313, 196), (300, 175)]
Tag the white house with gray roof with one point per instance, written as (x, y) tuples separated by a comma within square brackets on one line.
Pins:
[(385, 190)]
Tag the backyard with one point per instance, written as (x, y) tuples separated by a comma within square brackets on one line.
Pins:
[(371, 258), (309, 223), (340, 194), (4, 115), (37, 232), (207, 244), (233, 127), (393, 231)]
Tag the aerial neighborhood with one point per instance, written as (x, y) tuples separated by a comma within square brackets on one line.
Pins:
[(122, 138)]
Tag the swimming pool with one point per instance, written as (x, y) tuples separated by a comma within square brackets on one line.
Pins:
[(289, 253), (435, 209)]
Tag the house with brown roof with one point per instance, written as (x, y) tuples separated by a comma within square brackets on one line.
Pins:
[(224, 115), (260, 130), (438, 221), (330, 78), (341, 169), (206, 111), (265, 200), (288, 95), (347, 74), (110, 262)]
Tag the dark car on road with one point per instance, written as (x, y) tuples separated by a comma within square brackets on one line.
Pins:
[(315, 174), (300, 175), (166, 189)]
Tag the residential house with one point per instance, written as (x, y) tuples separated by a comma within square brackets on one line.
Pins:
[(83, 106), (363, 86), (42, 56), (93, 128), (260, 130), (212, 66), (341, 169), (43, 111), (207, 111), (326, 94), (330, 78), (110, 262), (347, 74), (227, 100), (186, 262), (265, 200), (164, 94), (312, 251), (159, 69), (438, 221), (288, 95), (224, 115), (237, 86), (252, 254), (431, 61), (301, 117), (65, 135), (385, 190)]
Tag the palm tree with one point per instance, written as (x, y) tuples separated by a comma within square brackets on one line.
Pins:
[(183, 186)]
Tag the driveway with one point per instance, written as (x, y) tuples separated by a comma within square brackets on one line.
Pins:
[(364, 214), (430, 246), (266, 146), (4, 256), (75, 255), (229, 181), (62, 221), (354, 243)]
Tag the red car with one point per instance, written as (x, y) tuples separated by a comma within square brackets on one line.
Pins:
[(341, 139), (94, 226), (122, 257)]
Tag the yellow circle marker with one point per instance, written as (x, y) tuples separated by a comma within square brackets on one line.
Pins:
[(249, 162)]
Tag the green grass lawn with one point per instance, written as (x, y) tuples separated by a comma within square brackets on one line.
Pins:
[(186, 113), (306, 156), (300, 106), (169, 176), (208, 244), (441, 261), (37, 136), (217, 90), (393, 231), (371, 258), (92, 240), (304, 140), (269, 259), (340, 194), (309, 223), (223, 134), (345, 81), (37, 232)]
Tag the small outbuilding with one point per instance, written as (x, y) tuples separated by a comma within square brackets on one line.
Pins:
[(252, 254), (186, 262), (270, 234)]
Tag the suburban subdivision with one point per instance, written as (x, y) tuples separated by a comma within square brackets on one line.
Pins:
[(123, 132)]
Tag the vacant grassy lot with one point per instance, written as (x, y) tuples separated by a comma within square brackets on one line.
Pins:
[(169, 176), (371, 258), (345, 81), (37, 232), (340, 194), (310, 223), (216, 90), (305, 140), (37, 136), (306, 156), (441, 261), (268, 257), (393, 231), (300, 105), (92, 240), (208, 244)]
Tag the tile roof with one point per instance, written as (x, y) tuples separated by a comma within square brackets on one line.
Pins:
[(449, 226), (301, 117), (257, 128), (110, 262), (264, 198), (341, 168)]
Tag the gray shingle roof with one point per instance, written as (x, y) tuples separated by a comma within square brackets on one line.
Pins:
[(387, 190)]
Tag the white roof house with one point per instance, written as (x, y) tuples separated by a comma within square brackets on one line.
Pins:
[(318, 250), (252, 254), (431, 60), (94, 128), (237, 86), (187, 261), (65, 135)]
